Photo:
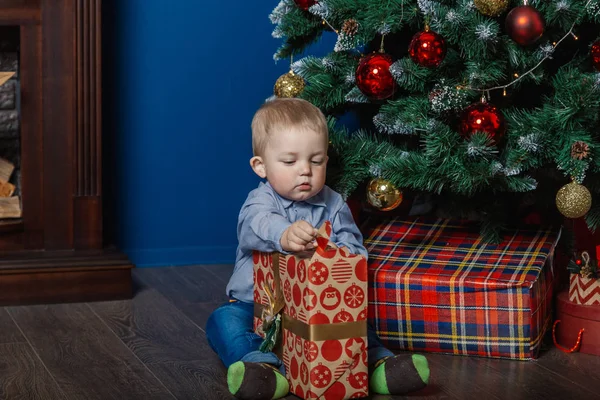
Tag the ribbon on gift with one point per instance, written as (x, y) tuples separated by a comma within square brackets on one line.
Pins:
[(586, 270), (319, 332), (323, 235), (271, 313)]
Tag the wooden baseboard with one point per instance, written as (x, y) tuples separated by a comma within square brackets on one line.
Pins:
[(42, 277)]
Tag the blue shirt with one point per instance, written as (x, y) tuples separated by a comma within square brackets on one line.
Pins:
[(266, 215)]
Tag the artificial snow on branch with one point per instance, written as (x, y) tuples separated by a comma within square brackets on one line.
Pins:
[(356, 96), (284, 7)]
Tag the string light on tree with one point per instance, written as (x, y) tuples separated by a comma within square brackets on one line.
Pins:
[(373, 76), (383, 195), (525, 25), (530, 71), (427, 48)]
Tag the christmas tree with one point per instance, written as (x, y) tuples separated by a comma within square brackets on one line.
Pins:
[(489, 107)]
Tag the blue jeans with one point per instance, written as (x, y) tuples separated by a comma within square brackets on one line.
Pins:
[(230, 334)]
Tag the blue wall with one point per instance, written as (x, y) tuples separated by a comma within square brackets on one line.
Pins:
[(181, 82)]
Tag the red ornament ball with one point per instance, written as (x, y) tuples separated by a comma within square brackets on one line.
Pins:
[(305, 4), (596, 55), (482, 117), (427, 49), (373, 76), (525, 25)]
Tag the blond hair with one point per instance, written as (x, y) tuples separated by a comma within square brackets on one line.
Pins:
[(285, 113)]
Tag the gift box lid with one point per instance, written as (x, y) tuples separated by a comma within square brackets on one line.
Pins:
[(442, 250)]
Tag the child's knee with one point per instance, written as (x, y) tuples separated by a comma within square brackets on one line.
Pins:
[(220, 314), (227, 322), (214, 318), (217, 320)]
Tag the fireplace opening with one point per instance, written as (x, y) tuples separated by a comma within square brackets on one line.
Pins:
[(10, 136)]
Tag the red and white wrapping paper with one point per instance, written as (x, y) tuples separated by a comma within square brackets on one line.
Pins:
[(584, 291), (323, 341)]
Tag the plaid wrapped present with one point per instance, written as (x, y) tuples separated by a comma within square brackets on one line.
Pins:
[(434, 285)]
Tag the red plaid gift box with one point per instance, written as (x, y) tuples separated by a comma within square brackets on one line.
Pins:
[(434, 285), (324, 338)]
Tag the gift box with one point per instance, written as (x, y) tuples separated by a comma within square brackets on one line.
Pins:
[(584, 285), (577, 326), (585, 291), (323, 338), (436, 286)]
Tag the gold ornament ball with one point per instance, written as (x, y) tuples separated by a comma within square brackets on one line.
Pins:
[(573, 200), (383, 195), (289, 85), (491, 8)]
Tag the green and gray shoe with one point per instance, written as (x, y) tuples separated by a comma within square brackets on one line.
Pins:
[(400, 374), (256, 381)]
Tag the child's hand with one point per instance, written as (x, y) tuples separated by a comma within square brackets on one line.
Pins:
[(300, 236)]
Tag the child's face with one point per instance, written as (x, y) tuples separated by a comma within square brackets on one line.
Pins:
[(294, 162)]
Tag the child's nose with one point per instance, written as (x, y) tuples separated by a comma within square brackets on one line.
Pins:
[(304, 168)]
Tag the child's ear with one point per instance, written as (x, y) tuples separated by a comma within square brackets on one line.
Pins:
[(258, 166)]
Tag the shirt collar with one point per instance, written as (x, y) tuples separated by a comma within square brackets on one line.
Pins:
[(316, 200)]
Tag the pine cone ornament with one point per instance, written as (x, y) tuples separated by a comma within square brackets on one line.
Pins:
[(350, 27), (580, 150)]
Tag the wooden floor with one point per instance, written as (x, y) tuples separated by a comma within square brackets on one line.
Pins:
[(154, 347)]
